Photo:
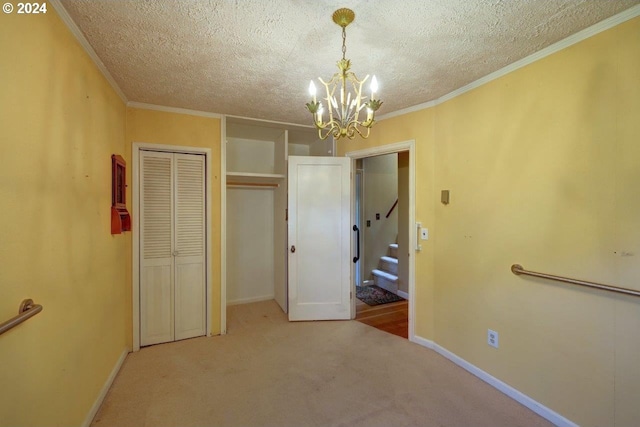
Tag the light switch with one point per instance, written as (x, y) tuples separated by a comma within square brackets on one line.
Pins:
[(424, 233)]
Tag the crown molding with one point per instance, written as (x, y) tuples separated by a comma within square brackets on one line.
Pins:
[(549, 50), (66, 18), (408, 110), (272, 122), (143, 106)]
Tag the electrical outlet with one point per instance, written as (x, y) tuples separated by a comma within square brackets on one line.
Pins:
[(492, 338)]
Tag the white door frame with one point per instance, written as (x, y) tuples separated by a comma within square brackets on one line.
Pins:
[(135, 201), (409, 146), (359, 274)]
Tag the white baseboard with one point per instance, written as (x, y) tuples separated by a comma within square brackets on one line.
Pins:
[(422, 341), (250, 300), (516, 395), (403, 294), (105, 389)]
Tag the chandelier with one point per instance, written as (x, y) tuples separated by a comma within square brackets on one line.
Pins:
[(345, 117)]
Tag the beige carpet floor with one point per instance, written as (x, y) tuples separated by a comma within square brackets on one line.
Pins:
[(269, 372)]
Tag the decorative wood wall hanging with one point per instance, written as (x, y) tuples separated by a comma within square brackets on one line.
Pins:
[(120, 219)]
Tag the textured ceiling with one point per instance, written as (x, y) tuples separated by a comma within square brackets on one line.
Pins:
[(254, 58)]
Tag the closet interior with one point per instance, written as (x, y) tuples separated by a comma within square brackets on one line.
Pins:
[(256, 205)]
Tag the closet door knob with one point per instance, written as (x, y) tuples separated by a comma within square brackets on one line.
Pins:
[(175, 253), (293, 248)]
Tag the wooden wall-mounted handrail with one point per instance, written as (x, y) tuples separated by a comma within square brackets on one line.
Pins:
[(27, 310), (517, 269), (392, 208)]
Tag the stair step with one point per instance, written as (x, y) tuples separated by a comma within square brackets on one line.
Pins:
[(389, 265), (385, 280), (388, 276), (393, 250)]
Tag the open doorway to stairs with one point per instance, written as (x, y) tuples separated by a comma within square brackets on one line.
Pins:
[(384, 213)]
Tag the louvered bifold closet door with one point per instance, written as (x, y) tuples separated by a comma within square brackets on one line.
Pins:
[(189, 246), (156, 252)]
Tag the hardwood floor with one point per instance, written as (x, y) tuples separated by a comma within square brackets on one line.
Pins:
[(392, 317)]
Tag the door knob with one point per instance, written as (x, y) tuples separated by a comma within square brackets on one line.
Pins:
[(175, 253), (293, 248)]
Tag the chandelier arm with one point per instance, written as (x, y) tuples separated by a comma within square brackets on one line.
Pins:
[(356, 128), (325, 136), (335, 132), (352, 77), (351, 132), (330, 93), (331, 81), (361, 134), (332, 128)]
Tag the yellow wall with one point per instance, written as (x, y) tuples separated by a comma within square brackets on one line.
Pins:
[(60, 122), (543, 169), (159, 127)]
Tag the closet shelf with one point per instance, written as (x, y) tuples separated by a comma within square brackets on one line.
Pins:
[(255, 178)]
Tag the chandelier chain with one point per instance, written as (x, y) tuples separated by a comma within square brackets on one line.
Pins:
[(344, 42)]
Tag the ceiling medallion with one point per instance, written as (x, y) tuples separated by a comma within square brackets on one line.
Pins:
[(345, 117)]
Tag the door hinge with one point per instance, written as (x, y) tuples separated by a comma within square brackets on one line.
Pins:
[(351, 295)]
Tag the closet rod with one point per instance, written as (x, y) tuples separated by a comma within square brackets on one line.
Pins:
[(252, 184)]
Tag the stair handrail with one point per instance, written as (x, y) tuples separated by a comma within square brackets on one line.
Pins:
[(392, 208)]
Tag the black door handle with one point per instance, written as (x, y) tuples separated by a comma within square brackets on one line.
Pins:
[(357, 257)]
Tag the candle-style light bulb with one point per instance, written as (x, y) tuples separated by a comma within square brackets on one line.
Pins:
[(312, 90), (374, 86), (319, 113)]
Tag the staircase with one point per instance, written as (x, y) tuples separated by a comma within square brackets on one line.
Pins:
[(386, 276)]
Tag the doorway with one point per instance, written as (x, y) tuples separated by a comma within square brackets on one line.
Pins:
[(406, 235)]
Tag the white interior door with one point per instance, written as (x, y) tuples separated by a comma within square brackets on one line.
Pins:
[(172, 246), (319, 238)]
